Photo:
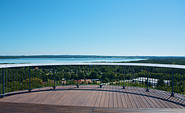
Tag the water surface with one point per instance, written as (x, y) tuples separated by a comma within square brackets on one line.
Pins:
[(66, 60)]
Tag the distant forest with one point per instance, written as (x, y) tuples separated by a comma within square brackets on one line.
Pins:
[(163, 60)]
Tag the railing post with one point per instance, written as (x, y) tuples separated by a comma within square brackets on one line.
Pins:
[(77, 79), (2, 95), (0, 83), (172, 94), (101, 83), (29, 90), (54, 78), (124, 80), (147, 90)]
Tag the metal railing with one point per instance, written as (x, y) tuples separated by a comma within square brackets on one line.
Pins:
[(18, 77)]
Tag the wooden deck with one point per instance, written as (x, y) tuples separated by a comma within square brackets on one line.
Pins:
[(94, 97)]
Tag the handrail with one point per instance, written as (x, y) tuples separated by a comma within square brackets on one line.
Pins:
[(106, 64)]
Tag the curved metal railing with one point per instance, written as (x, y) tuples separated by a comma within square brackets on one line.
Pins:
[(16, 77)]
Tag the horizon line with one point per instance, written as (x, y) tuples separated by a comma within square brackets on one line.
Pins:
[(98, 55)]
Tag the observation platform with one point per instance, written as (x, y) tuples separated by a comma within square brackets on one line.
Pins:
[(91, 98)]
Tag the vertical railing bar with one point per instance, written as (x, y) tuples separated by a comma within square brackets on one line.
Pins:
[(40, 75), (14, 74), (101, 80), (77, 79), (147, 90), (59, 77), (15, 86), (11, 79), (181, 78), (27, 77), (143, 76), (45, 76), (21, 75), (172, 94), (18, 72), (2, 92), (0, 82), (126, 67), (54, 77), (5, 75), (163, 73), (37, 79), (132, 74), (17, 79), (124, 76), (29, 80), (139, 77), (178, 77), (183, 83), (131, 84), (128, 72), (23, 68), (182, 72), (152, 78), (3, 82), (9, 90), (119, 75), (49, 76)]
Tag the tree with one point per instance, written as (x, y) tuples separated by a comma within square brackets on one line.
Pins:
[(93, 75), (35, 82), (160, 82)]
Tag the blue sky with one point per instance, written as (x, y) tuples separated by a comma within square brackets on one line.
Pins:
[(92, 27)]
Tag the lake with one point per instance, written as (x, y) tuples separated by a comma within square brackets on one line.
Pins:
[(66, 60)]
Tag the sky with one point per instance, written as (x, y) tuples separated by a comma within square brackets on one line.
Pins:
[(92, 27)]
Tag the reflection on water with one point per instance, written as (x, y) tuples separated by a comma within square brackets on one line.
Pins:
[(65, 60)]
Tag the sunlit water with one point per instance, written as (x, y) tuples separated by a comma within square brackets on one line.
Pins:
[(66, 60)]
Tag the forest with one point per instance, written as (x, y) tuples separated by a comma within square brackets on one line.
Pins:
[(163, 60)]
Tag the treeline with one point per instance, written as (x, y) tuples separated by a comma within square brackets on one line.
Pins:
[(163, 60)]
